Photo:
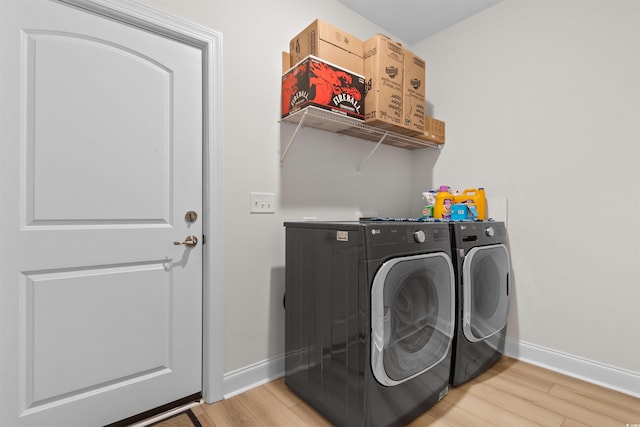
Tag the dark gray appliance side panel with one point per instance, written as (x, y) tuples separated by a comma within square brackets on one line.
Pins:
[(322, 336)]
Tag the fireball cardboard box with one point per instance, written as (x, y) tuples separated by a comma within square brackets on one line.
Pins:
[(329, 43), (316, 82), (413, 103), (383, 70)]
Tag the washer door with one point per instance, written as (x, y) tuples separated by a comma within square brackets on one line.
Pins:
[(412, 316), (485, 273)]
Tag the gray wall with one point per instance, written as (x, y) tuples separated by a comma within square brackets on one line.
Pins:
[(541, 101)]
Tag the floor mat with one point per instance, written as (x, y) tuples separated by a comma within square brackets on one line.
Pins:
[(182, 419)]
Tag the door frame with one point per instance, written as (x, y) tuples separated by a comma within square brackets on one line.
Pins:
[(210, 43)]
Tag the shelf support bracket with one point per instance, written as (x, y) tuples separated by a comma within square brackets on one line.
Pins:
[(366, 159), (295, 132)]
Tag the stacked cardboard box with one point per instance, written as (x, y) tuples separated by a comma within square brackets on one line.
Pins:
[(376, 80), (383, 68), (433, 130), (413, 88), (316, 82), (286, 62), (329, 43), (324, 68)]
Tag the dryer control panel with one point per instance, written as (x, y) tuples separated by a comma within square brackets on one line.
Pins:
[(419, 236), (468, 235)]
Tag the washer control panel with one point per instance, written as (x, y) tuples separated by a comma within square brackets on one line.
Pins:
[(389, 238)]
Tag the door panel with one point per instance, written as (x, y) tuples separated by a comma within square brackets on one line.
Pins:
[(121, 87), (76, 316), (412, 316), (101, 157), (485, 273)]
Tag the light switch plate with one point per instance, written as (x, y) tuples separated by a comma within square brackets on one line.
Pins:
[(261, 202)]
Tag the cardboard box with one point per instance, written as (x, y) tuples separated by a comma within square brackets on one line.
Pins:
[(413, 103), (383, 70), (463, 211), (286, 61), (433, 130), (316, 82), (329, 43)]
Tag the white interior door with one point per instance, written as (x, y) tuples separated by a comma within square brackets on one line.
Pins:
[(101, 158)]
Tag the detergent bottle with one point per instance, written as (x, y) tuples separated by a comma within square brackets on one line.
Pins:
[(430, 201), (476, 197), (444, 201), (481, 204)]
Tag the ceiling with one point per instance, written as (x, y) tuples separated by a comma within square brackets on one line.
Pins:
[(415, 20)]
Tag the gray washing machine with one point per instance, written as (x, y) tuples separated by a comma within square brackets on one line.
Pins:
[(481, 263), (369, 318)]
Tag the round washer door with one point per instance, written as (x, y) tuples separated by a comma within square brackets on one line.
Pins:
[(412, 316), (485, 273)]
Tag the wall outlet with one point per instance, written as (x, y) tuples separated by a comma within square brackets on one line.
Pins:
[(261, 202)]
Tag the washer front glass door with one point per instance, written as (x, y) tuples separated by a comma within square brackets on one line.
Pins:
[(412, 316), (485, 273)]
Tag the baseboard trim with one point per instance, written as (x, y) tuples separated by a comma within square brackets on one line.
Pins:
[(627, 382), (252, 376), (594, 372)]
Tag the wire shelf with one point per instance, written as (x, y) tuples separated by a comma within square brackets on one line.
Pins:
[(336, 123)]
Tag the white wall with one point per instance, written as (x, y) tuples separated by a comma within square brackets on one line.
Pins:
[(542, 101)]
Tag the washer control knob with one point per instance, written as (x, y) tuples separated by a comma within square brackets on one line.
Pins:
[(489, 231), (419, 236)]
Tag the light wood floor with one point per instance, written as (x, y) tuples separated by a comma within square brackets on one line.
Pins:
[(510, 394)]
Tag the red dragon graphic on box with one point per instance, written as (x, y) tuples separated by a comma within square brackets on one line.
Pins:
[(314, 82), (290, 96)]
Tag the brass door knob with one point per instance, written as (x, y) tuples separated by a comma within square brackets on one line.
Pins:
[(190, 241), (191, 216)]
